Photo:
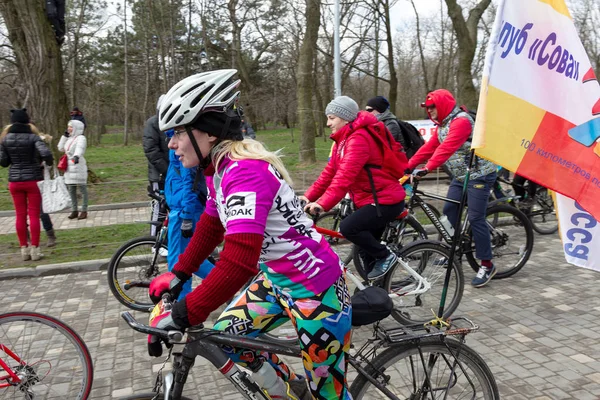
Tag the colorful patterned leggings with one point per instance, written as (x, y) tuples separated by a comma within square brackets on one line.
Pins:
[(323, 324)]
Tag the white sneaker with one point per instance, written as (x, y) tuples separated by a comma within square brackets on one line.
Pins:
[(163, 252)]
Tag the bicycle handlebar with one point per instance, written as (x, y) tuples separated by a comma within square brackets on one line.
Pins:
[(156, 197), (171, 336)]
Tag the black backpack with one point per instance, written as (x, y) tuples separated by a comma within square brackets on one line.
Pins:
[(412, 138), (472, 113)]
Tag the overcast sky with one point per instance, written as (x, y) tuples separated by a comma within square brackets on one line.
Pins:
[(403, 10)]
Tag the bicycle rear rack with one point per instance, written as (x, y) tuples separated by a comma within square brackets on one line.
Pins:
[(458, 326)]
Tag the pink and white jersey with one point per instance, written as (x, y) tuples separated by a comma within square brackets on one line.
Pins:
[(250, 196)]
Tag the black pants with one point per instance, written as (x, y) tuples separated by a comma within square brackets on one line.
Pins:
[(364, 228), (519, 182)]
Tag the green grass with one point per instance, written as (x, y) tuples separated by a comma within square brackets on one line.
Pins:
[(123, 170), (72, 245)]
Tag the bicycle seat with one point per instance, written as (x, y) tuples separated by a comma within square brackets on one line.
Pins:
[(370, 305), (403, 214)]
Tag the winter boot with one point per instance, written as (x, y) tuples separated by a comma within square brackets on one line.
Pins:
[(35, 253), (51, 238), (82, 215), (73, 215), (25, 253)]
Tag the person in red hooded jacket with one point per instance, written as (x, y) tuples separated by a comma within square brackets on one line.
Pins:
[(354, 154), (451, 145)]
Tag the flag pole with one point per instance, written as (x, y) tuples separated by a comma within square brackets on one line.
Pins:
[(457, 235), (337, 68)]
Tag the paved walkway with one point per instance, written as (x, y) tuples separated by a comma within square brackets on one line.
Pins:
[(538, 330), (95, 218)]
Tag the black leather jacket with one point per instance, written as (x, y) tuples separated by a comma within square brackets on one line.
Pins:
[(24, 152)]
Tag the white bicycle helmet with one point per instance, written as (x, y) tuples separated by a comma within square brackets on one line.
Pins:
[(213, 91)]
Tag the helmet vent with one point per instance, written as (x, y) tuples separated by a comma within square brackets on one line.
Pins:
[(172, 114), (200, 96), (191, 89)]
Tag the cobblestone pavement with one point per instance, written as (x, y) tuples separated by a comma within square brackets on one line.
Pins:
[(537, 330), (95, 218)]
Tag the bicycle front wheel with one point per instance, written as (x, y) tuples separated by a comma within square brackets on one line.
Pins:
[(430, 260), (432, 369), (50, 358), (511, 235), (132, 268), (542, 214)]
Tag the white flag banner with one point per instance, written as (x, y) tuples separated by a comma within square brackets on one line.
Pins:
[(580, 234)]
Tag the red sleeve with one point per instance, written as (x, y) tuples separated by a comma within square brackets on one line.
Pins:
[(424, 152), (460, 130), (317, 189), (207, 235), (357, 152), (238, 263)]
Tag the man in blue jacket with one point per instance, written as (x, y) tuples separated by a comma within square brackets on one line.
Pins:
[(186, 204)]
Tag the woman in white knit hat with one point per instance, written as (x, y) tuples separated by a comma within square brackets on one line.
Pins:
[(357, 167)]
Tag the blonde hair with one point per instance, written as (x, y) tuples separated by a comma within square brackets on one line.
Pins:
[(34, 129), (249, 149), (4, 132)]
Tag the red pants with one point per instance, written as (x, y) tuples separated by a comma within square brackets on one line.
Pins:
[(28, 201)]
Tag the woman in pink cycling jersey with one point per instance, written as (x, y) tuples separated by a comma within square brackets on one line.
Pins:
[(253, 209)]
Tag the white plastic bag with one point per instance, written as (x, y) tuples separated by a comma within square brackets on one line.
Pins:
[(55, 195)]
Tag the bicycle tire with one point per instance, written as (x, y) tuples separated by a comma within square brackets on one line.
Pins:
[(51, 344), (141, 265), (543, 214), (149, 396), (504, 229), (429, 259), (449, 350), (409, 227), (323, 221)]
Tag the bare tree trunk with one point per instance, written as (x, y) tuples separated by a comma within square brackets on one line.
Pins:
[(186, 65), (305, 81), (393, 95), (39, 64), (147, 71), (466, 35), (126, 83), (161, 46), (320, 116), (421, 53)]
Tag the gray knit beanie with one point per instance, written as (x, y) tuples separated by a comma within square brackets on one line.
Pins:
[(343, 107)]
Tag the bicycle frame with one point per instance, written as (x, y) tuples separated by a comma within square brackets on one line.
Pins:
[(207, 344), (421, 285), (418, 201), (11, 377)]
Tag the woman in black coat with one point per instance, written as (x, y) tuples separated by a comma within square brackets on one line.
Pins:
[(23, 151)]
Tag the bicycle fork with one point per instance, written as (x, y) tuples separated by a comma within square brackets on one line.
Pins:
[(174, 381)]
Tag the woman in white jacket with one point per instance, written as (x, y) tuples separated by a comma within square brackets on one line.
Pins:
[(73, 144)]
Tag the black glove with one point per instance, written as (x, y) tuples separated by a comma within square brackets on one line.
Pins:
[(419, 173), (171, 317), (187, 228), (66, 134), (408, 171), (75, 159)]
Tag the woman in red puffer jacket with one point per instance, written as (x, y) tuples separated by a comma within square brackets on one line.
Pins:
[(356, 154)]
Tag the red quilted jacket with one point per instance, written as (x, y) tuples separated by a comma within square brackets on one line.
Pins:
[(345, 172)]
